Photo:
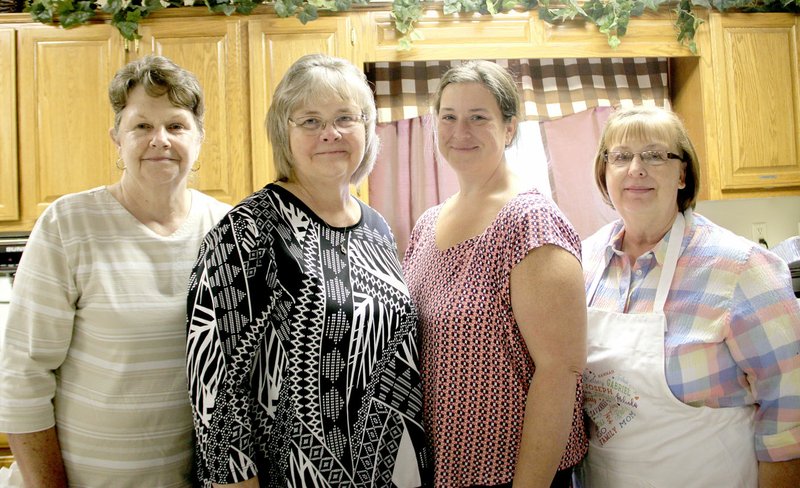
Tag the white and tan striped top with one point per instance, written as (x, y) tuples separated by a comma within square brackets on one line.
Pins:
[(95, 340)]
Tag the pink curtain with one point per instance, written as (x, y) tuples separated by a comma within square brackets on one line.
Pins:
[(409, 176), (571, 144)]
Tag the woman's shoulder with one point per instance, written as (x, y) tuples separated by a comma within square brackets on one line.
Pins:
[(529, 202), (602, 236), (203, 201), (95, 202), (715, 242), (532, 208)]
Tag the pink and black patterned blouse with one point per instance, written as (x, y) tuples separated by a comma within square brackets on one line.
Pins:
[(476, 368)]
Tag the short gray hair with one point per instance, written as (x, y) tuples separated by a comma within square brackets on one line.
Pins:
[(158, 75), (318, 77)]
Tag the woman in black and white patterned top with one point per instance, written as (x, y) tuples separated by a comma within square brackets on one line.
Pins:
[(302, 344)]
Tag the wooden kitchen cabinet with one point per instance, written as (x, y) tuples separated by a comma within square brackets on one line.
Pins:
[(213, 49), (741, 103), (6, 458), (740, 95), (64, 115), (275, 44), (755, 61), (9, 181), (515, 35)]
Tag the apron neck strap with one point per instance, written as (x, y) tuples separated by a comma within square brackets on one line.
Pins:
[(670, 261), (667, 270)]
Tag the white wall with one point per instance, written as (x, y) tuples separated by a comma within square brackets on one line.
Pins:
[(781, 214)]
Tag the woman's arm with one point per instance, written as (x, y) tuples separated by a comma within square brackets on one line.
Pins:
[(38, 456), (548, 300)]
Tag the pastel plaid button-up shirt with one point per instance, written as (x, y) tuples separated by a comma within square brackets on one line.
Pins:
[(733, 335)]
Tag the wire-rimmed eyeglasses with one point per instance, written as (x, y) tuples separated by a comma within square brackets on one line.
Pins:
[(344, 123), (650, 158)]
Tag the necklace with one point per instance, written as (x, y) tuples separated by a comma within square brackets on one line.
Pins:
[(343, 244)]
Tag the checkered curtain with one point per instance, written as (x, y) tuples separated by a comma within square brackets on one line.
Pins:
[(550, 88)]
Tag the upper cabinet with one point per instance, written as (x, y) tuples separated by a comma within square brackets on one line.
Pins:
[(740, 96), (275, 44), (9, 182), (515, 35), (64, 115), (212, 49), (755, 62), (741, 103)]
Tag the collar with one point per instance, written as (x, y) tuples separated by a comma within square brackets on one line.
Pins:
[(617, 232)]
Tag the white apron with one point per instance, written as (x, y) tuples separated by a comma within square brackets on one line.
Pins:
[(641, 434)]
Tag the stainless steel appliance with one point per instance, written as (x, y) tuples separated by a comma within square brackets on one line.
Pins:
[(11, 247)]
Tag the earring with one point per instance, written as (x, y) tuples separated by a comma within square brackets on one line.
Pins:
[(195, 167), (119, 164)]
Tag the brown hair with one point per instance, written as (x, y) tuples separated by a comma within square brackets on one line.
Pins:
[(494, 77)]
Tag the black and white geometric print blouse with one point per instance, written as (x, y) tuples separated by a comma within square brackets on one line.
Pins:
[(303, 360)]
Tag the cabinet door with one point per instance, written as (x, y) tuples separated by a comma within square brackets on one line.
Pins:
[(274, 45), (756, 72), (211, 48), (64, 111), (9, 182)]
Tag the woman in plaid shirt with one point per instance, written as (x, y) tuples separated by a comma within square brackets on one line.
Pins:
[(693, 373)]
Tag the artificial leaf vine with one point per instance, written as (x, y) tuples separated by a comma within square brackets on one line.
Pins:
[(611, 17)]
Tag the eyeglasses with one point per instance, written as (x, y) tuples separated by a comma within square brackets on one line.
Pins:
[(344, 124), (650, 158)]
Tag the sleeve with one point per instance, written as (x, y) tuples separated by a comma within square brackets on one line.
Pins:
[(765, 342), (539, 223), (36, 336), (222, 342)]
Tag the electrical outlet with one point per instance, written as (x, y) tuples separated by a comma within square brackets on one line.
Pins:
[(759, 231)]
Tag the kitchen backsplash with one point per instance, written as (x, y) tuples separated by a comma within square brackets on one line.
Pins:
[(780, 214)]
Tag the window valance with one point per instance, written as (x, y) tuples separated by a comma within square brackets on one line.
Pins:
[(550, 88)]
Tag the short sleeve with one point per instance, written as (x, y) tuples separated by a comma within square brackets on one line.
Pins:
[(532, 222)]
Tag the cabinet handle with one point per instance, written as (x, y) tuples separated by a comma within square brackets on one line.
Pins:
[(352, 36)]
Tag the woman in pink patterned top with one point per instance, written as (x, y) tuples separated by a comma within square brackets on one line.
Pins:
[(495, 274)]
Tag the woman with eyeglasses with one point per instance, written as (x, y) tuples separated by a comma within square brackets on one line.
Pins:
[(302, 344), (693, 373)]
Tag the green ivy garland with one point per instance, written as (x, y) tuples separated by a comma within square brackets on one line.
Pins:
[(610, 16)]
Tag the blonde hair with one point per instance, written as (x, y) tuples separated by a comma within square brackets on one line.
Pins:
[(650, 124), (312, 78)]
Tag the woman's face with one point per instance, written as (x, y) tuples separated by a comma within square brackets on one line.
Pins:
[(471, 132), (327, 141), (158, 142), (639, 188)]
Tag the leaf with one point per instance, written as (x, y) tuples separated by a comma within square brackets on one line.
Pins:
[(129, 30), (280, 9), (307, 13), (75, 19)]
